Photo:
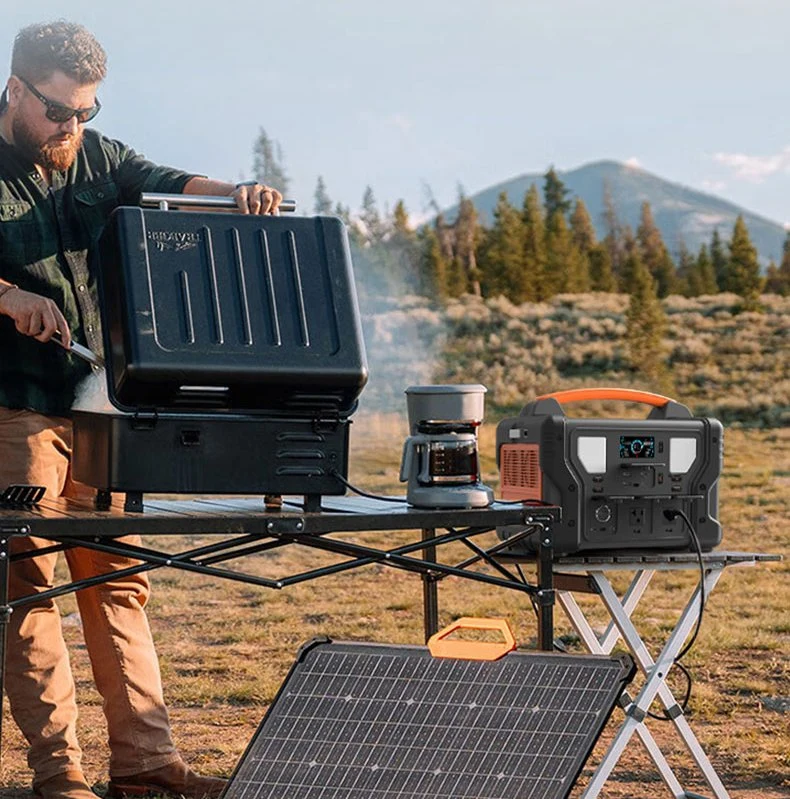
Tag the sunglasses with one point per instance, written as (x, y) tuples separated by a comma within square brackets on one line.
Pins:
[(57, 112)]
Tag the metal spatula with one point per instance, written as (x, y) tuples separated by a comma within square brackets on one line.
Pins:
[(82, 352)]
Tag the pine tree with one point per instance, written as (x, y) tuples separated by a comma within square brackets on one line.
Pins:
[(718, 258), (434, 268), (778, 277), (534, 244), (686, 281), (743, 273), (631, 260), (401, 251), (467, 238), (646, 324), (654, 253), (321, 204), (501, 255), (372, 228), (582, 228), (705, 275), (268, 164), (614, 238), (555, 194), (601, 275), (566, 268), (400, 221)]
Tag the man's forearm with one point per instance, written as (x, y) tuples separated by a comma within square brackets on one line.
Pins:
[(206, 186), (250, 199)]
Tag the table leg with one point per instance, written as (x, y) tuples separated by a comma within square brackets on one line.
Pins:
[(630, 600), (430, 592), (655, 672), (604, 646), (545, 594)]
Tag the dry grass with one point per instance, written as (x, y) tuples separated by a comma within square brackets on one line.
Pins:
[(732, 365), (225, 648)]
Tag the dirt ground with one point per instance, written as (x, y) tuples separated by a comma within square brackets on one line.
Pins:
[(219, 676)]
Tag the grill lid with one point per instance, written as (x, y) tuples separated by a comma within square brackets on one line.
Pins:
[(230, 312)]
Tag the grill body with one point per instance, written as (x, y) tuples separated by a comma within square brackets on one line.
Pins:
[(234, 355)]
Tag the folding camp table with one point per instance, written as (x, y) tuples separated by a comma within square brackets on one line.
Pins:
[(591, 574)]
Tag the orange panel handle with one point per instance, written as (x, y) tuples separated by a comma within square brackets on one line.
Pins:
[(440, 647), (625, 394)]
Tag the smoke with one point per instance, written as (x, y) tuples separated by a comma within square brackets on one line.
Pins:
[(403, 331), (92, 395)]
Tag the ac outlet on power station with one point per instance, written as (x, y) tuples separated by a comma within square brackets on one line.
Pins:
[(636, 517)]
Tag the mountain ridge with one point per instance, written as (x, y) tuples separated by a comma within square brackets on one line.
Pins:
[(685, 216)]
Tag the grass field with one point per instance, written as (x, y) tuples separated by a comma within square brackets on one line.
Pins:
[(225, 648)]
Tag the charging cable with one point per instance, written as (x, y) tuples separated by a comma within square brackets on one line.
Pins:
[(670, 515)]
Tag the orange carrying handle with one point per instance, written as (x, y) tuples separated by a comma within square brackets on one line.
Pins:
[(440, 647), (625, 394)]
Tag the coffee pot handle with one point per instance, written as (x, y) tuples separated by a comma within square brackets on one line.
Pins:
[(408, 458), (410, 452)]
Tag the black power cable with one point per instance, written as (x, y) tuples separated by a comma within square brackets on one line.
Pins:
[(671, 514), (362, 493)]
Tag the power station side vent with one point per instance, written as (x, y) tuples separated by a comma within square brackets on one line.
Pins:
[(520, 473)]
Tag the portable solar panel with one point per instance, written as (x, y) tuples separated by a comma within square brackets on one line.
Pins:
[(370, 720)]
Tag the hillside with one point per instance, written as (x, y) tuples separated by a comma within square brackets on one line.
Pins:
[(725, 364), (682, 214)]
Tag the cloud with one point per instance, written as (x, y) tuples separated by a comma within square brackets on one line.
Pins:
[(633, 162), (714, 185), (755, 168)]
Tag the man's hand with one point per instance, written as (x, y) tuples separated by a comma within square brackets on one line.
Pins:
[(35, 316), (257, 199)]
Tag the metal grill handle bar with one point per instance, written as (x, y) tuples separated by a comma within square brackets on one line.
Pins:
[(164, 201)]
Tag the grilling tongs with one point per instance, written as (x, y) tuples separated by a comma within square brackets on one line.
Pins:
[(81, 352)]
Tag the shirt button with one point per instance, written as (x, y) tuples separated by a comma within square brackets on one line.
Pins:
[(100, 195), (90, 328), (81, 287)]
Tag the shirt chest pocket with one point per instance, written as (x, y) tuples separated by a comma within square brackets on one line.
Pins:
[(18, 238), (94, 206)]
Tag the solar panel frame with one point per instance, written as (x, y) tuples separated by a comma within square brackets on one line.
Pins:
[(392, 722)]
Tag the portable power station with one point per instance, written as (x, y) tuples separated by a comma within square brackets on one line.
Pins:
[(614, 478)]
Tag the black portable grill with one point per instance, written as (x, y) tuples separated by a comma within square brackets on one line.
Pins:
[(234, 356)]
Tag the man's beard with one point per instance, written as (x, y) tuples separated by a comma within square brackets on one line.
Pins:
[(52, 154)]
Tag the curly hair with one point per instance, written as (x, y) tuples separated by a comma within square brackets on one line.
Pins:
[(44, 48)]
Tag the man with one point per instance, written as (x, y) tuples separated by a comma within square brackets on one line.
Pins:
[(59, 181)]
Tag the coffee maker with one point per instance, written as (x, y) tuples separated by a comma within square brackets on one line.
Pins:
[(440, 460)]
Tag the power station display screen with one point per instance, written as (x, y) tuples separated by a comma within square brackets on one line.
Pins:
[(637, 447)]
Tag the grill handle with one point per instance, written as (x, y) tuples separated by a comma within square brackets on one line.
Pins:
[(164, 201)]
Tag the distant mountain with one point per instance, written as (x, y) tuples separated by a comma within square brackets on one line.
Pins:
[(682, 214)]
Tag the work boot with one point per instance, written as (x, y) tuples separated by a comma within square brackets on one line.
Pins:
[(175, 779), (66, 785)]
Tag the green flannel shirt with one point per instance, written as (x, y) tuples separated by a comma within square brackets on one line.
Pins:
[(45, 235)]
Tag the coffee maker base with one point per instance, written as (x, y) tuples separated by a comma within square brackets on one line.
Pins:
[(468, 496)]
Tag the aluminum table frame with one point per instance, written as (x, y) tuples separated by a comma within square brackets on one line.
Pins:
[(249, 528), (590, 574)]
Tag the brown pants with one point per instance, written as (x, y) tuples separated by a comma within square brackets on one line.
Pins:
[(36, 449)]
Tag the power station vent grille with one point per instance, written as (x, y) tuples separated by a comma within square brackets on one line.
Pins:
[(519, 468)]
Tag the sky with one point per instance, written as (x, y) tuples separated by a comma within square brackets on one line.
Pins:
[(419, 99)]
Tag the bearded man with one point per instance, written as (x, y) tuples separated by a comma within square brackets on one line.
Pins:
[(59, 181)]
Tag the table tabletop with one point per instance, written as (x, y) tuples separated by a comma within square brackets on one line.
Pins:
[(205, 515)]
